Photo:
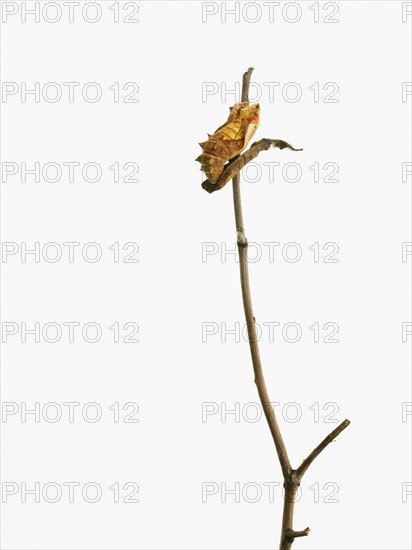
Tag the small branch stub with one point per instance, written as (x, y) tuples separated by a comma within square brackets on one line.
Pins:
[(291, 534)]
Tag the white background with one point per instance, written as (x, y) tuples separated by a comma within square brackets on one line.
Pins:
[(173, 290)]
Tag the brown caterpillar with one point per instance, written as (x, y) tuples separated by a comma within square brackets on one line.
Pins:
[(229, 140)]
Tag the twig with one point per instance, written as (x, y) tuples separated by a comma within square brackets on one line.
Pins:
[(234, 167), (308, 461), (246, 84), (292, 478), (253, 341), (295, 534)]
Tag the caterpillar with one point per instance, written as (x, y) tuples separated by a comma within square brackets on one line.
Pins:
[(229, 140)]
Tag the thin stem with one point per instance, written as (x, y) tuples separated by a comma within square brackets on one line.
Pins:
[(308, 461), (246, 84), (250, 319), (291, 488)]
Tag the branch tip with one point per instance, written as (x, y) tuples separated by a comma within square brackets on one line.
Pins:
[(322, 445), (245, 84)]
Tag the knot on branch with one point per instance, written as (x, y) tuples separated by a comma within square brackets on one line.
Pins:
[(291, 535), (241, 238), (292, 480)]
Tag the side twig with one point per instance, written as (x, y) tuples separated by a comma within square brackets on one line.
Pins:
[(234, 167), (292, 478)]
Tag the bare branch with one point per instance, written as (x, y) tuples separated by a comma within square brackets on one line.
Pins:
[(308, 461), (250, 319)]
